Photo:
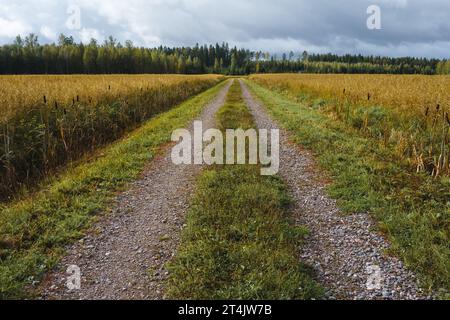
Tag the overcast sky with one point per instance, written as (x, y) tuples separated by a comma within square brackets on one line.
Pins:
[(408, 27)]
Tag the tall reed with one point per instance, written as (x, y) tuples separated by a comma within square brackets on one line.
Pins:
[(47, 124), (407, 113)]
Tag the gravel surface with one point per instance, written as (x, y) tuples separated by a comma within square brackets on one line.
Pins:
[(124, 256), (344, 250)]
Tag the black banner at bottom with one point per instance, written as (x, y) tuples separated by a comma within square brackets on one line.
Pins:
[(219, 309)]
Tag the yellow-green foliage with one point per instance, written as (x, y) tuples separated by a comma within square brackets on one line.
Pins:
[(443, 67)]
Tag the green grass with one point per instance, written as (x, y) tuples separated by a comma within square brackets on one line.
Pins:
[(33, 232), (234, 113), (413, 210), (239, 242)]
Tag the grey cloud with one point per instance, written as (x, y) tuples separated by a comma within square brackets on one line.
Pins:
[(409, 27)]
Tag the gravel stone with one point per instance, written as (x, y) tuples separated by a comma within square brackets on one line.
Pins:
[(340, 247), (140, 235), (124, 256)]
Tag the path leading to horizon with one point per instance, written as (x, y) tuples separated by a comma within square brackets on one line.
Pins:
[(344, 250), (125, 255)]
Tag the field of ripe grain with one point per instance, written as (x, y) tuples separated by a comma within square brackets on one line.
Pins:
[(47, 121), (407, 112)]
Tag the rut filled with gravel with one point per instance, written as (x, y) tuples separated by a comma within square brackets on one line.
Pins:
[(125, 255), (346, 253)]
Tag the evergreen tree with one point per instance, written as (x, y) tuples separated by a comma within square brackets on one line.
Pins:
[(27, 56)]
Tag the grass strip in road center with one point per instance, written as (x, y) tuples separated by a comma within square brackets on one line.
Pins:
[(239, 242)]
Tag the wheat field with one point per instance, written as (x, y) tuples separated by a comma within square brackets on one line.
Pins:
[(407, 112), (47, 121)]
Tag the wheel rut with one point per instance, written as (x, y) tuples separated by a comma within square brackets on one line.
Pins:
[(348, 256), (124, 255)]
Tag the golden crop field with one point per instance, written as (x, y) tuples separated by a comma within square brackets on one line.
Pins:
[(46, 121), (405, 93), (409, 112), (21, 92)]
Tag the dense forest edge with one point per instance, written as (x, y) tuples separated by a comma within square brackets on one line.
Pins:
[(27, 56)]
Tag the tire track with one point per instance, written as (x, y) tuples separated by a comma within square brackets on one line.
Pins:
[(345, 252), (125, 255)]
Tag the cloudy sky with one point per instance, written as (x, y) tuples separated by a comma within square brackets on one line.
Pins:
[(408, 27)]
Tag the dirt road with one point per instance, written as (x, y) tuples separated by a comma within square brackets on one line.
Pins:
[(124, 256), (347, 255)]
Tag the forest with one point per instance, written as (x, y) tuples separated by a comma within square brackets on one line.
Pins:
[(27, 56)]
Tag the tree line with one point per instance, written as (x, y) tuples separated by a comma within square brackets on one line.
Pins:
[(28, 56)]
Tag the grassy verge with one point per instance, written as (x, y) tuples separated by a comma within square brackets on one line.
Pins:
[(413, 209), (239, 242), (33, 232)]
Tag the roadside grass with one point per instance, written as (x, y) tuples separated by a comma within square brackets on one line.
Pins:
[(239, 242), (413, 210), (34, 231)]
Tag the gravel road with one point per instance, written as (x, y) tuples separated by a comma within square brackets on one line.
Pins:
[(344, 250), (124, 255)]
